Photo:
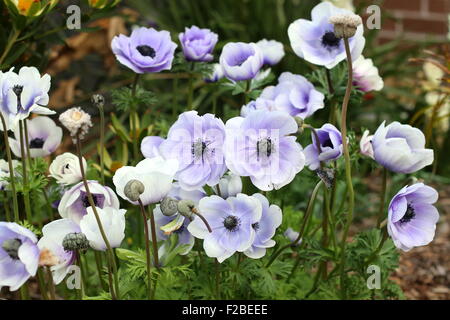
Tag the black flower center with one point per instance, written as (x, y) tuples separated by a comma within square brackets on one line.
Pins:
[(327, 143), (36, 143), (11, 246), (409, 214), (199, 149), (17, 89), (231, 223), (329, 40), (264, 147), (146, 51), (86, 203), (255, 226)]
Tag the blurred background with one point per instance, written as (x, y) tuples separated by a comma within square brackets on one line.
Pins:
[(411, 51)]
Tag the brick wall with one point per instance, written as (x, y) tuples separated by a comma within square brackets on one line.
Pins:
[(415, 19)]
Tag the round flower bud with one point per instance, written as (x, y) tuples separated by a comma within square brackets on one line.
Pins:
[(133, 190), (186, 207), (75, 241), (98, 100), (169, 206)]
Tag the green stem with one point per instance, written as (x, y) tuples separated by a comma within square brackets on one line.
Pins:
[(25, 191), (348, 170), (154, 240), (51, 285), (382, 198), (102, 143), (111, 259), (190, 97), (308, 213), (147, 249), (83, 273), (99, 265), (134, 135), (217, 272), (6, 206), (12, 39), (41, 281)]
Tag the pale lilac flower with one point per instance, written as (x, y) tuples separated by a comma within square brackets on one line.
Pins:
[(262, 147), (401, 148), (150, 146), (4, 172), (365, 75), (330, 140), (273, 51), (196, 142), (241, 61), (66, 170), (265, 228), (113, 222), (260, 104), (231, 221), (145, 51), (74, 202), (295, 95), (292, 235), (412, 217), (198, 44), (216, 74), (229, 186), (316, 42), (23, 93), (19, 255), (53, 253), (155, 174), (365, 144), (44, 137)]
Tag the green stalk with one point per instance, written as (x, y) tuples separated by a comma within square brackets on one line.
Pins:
[(6, 205), (190, 97), (154, 240), (12, 182), (134, 136), (147, 249), (348, 169), (382, 198), (99, 265), (26, 195), (12, 39), (41, 282), (102, 142)]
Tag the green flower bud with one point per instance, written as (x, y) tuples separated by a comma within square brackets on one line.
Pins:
[(186, 207), (169, 206), (75, 241), (133, 190)]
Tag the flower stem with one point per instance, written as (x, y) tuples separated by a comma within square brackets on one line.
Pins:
[(41, 281), (382, 198), (217, 272), (147, 249), (154, 240), (102, 142), (25, 191), (6, 206), (12, 39), (50, 284), (133, 116), (198, 214), (306, 217), (83, 273), (190, 96), (348, 169), (12, 182), (110, 254), (99, 264)]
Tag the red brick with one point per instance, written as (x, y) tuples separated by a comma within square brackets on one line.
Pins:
[(410, 5), (425, 26), (439, 6), (388, 24)]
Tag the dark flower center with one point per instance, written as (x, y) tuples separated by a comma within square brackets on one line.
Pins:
[(37, 143), (231, 223), (146, 51), (329, 40), (17, 89), (255, 226), (199, 149), (264, 147), (327, 143), (409, 214), (11, 246), (86, 203)]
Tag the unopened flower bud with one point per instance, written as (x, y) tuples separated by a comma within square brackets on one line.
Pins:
[(327, 176), (98, 100), (300, 123), (186, 207), (345, 25), (133, 190), (75, 241), (169, 206)]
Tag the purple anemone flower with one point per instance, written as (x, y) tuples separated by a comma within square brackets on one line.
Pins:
[(19, 255), (196, 142), (44, 137), (229, 186), (231, 221), (150, 146), (316, 42), (412, 217), (262, 147), (330, 144), (294, 95), (198, 44), (51, 244), (145, 51), (74, 202), (401, 148), (265, 228), (241, 61)]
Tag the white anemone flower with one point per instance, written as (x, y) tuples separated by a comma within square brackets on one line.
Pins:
[(366, 76), (23, 93), (66, 170), (44, 137), (155, 174), (4, 172), (273, 51)]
